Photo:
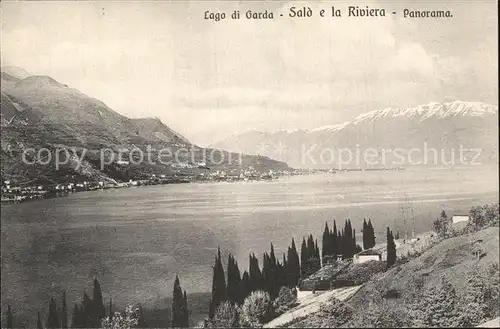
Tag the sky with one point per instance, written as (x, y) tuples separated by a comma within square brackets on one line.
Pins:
[(211, 80)]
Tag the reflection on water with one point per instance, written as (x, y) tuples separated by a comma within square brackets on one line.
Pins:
[(135, 240)]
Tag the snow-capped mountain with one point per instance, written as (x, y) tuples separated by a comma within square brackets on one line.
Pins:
[(432, 110), (442, 126)]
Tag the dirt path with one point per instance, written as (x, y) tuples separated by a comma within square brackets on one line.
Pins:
[(310, 304)]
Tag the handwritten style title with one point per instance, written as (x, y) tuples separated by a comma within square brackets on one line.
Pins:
[(307, 12)]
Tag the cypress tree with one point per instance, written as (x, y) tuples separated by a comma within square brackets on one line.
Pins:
[(52, 318), (82, 319), (186, 311), (233, 280), (294, 264), (111, 308), (365, 234), (391, 249), (348, 239), (255, 274), (266, 272), (64, 312), (141, 321), (10, 321), (246, 286), (98, 309), (303, 259), (335, 244), (75, 317), (354, 244), (273, 279), (371, 236), (317, 258), (290, 269), (86, 311), (218, 285), (39, 322), (311, 248), (237, 276), (326, 249), (179, 306), (345, 238), (283, 273)]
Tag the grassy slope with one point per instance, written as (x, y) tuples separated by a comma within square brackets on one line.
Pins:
[(451, 258)]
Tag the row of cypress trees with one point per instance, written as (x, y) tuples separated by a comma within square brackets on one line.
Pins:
[(271, 278), (86, 315), (310, 260), (289, 271), (90, 312), (340, 243), (368, 235)]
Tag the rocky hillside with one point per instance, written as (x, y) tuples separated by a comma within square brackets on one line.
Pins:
[(442, 126), (40, 112)]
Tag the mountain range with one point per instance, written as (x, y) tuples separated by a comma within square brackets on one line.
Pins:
[(39, 112), (407, 136)]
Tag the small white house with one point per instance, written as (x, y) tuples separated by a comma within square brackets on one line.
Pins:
[(366, 256), (460, 218)]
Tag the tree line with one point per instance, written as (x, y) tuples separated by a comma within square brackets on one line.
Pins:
[(91, 312), (343, 243), (273, 275), (291, 269), (234, 287)]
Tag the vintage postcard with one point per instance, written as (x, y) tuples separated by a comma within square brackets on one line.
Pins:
[(226, 164)]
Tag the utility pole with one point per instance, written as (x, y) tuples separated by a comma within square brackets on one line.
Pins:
[(413, 222), (404, 219)]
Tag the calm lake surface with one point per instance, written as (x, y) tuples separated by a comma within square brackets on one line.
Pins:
[(136, 240)]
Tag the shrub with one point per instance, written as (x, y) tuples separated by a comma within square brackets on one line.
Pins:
[(439, 306), (362, 272), (285, 300), (335, 313), (442, 225), (479, 301), (127, 320), (482, 217), (382, 315), (256, 309), (226, 316)]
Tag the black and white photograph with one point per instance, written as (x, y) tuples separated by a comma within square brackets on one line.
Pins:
[(249, 164)]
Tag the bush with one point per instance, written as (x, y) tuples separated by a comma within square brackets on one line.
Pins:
[(442, 225), (335, 313), (479, 300), (226, 316), (127, 320), (285, 300), (482, 217), (362, 272), (256, 310), (382, 315), (439, 306)]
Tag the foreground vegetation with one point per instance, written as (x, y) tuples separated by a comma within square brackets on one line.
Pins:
[(454, 283)]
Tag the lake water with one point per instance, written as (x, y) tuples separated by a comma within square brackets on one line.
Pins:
[(136, 240)]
